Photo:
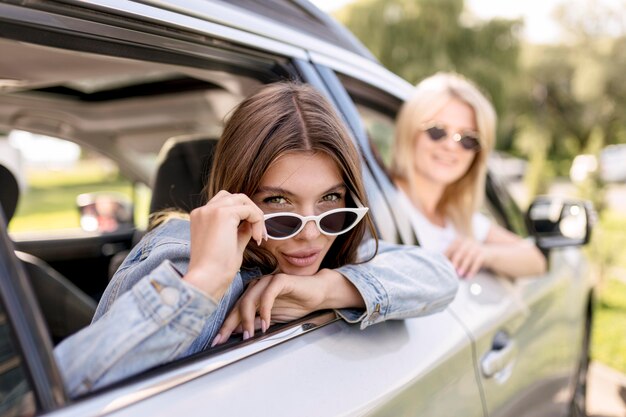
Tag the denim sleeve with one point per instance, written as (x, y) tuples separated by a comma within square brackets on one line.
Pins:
[(399, 282), (153, 323), (153, 249)]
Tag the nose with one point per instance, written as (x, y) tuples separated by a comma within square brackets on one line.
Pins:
[(451, 141), (309, 232)]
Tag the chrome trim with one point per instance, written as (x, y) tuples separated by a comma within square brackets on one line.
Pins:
[(124, 396)]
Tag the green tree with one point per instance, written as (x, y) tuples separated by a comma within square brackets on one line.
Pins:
[(416, 38)]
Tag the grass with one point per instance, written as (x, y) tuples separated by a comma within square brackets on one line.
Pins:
[(608, 251), (50, 200), (608, 333)]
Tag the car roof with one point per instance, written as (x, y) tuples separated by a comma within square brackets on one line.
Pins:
[(303, 16)]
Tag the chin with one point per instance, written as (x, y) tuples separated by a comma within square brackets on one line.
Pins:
[(297, 270), (446, 179)]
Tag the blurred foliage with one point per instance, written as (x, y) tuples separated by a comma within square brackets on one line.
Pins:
[(552, 100), (416, 38), (607, 338)]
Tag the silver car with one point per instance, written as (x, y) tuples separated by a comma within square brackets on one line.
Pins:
[(140, 84)]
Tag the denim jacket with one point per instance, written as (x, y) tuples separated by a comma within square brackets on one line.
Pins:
[(149, 316)]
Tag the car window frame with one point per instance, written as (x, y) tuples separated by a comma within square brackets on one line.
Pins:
[(28, 326)]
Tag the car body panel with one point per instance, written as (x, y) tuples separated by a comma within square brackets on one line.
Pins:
[(388, 369), (536, 315)]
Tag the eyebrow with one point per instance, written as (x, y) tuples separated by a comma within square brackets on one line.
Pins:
[(282, 191)]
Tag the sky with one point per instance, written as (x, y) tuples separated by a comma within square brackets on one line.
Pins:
[(539, 25)]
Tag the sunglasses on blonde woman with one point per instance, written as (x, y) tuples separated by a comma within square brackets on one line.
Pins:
[(468, 140), (334, 222)]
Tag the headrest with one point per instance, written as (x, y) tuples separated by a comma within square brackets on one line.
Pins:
[(9, 192), (182, 173)]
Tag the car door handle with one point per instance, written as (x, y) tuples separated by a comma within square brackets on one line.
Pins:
[(502, 354)]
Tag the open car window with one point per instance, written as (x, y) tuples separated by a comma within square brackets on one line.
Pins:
[(117, 114)]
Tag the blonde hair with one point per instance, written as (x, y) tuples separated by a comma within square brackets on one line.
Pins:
[(465, 196)]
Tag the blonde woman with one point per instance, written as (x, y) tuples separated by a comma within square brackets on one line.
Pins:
[(444, 135)]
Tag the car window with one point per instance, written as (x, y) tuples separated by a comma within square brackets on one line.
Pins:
[(378, 110), (56, 177), (16, 393)]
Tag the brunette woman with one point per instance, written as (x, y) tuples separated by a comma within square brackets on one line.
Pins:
[(286, 214)]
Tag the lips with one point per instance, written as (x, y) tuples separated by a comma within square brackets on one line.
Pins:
[(302, 258), (444, 160)]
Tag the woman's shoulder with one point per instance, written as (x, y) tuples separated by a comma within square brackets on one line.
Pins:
[(166, 241), (173, 229)]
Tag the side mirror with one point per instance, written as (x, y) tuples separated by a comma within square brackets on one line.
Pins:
[(105, 212), (557, 222)]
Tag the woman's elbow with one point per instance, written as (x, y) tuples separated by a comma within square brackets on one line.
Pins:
[(446, 276)]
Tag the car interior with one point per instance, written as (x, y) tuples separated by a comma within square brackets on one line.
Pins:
[(157, 122)]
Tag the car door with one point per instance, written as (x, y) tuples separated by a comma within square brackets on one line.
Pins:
[(527, 333)]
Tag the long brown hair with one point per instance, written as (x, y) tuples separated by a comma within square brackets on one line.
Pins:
[(286, 117)]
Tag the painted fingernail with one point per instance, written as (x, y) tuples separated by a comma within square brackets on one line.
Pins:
[(246, 335), (263, 326), (259, 241), (216, 340)]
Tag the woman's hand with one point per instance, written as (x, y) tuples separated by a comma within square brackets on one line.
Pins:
[(467, 256), (220, 231), (276, 298)]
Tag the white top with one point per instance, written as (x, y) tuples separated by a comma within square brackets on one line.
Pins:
[(437, 238)]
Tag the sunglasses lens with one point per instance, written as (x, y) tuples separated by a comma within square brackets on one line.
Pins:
[(338, 222), (436, 133), (470, 143), (282, 226)]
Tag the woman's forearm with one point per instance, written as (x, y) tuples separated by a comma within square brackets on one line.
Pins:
[(338, 291), (400, 282), (515, 260)]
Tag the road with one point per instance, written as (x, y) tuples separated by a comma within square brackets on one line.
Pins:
[(606, 392)]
